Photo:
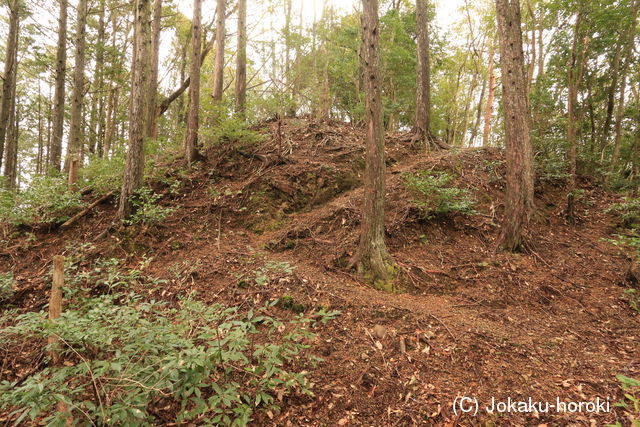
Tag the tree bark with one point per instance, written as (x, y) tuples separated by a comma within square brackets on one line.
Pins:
[(10, 72), (218, 67), (615, 75), (575, 77), (55, 155), (241, 65), (423, 96), (13, 133), (152, 101), (134, 166), (76, 140), (100, 86), (191, 140), (492, 91), (628, 50), (519, 202), (373, 258)]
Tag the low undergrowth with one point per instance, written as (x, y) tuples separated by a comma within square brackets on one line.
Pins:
[(129, 361), (433, 194)]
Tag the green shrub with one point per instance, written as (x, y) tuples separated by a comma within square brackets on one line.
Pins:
[(125, 357), (433, 194), (632, 297), (228, 129), (263, 277), (6, 286), (47, 200), (146, 209), (103, 175), (627, 211), (631, 400)]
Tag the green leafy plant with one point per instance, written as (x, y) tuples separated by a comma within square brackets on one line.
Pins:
[(125, 359), (627, 211), (104, 174), (631, 400), (6, 286), (263, 275), (629, 241), (47, 200), (632, 297), (146, 209), (433, 194)]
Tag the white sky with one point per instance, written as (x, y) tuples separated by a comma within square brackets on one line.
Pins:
[(447, 10)]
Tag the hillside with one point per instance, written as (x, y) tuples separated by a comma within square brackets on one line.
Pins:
[(278, 221)]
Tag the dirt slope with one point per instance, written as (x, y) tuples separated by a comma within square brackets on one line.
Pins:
[(548, 323)]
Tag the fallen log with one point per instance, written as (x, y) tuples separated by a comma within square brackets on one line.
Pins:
[(86, 210)]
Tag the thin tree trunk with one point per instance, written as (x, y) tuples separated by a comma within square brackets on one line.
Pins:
[(241, 65), (614, 76), (110, 131), (74, 151), (628, 50), (218, 68), (11, 164), (476, 125), (191, 140), (287, 43), (40, 151), (10, 72), (540, 44), (372, 257), (152, 101), (575, 76), (59, 98), (423, 96), (519, 202), (100, 131), (492, 90), (45, 161), (134, 166)]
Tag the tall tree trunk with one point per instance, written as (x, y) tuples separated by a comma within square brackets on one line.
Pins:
[(10, 69), (11, 163), (628, 50), (218, 67), (615, 75), (519, 202), (191, 140), (533, 59), (423, 84), (372, 256), (76, 137), (476, 124), (134, 166), (291, 107), (492, 91), (91, 130), (99, 80), (40, 152), (575, 68), (241, 65), (55, 156), (49, 117), (540, 45), (110, 130), (152, 101)]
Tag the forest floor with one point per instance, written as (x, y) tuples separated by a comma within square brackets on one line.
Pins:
[(548, 323)]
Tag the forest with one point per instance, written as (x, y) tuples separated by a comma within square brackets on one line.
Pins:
[(320, 212)]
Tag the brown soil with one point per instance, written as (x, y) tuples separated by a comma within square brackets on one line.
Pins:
[(543, 324)]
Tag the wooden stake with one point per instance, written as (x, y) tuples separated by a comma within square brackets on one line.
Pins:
[(55, 311), (55, 303)]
